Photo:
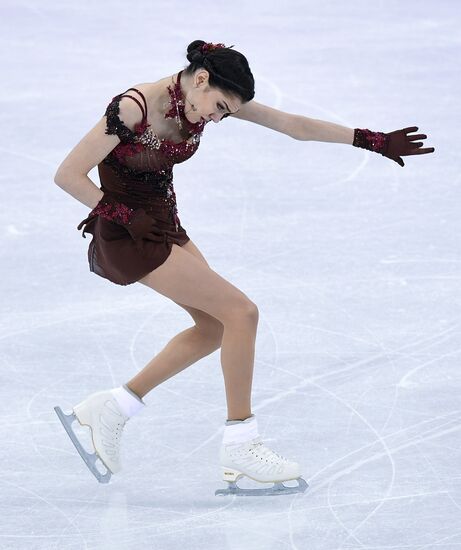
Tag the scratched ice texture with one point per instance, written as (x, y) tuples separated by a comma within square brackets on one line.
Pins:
[(353, 261)]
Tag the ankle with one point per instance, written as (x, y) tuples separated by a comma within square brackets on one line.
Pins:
[(127, 400), (239, 431), (134, 391), (231, 421), (239, 418)]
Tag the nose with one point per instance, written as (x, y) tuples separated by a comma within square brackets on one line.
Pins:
[(215, 118)]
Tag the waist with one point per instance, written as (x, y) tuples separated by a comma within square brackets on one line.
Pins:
[(149, 202), (155, 192), (112, 166)]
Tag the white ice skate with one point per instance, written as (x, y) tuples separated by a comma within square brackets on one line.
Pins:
[(102, 414), (251, 458)]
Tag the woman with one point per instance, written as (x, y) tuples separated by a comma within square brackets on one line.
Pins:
[(137, 236)]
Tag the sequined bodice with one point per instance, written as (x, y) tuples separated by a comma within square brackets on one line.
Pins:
[(139, 170), (142, 150)]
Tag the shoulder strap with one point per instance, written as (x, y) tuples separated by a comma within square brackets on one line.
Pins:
[(143, 109)]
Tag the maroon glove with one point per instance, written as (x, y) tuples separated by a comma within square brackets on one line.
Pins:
[(136, 221), (393, 145)]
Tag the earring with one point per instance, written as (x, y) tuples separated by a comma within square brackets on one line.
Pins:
[(193, 107)]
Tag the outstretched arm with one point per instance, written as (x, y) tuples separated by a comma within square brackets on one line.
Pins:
[(311, 129), (392, 145), (295, 126)]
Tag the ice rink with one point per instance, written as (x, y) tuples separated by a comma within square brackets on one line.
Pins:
[(353, 261)]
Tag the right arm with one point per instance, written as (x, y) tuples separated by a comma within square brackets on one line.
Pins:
[(72, 174)]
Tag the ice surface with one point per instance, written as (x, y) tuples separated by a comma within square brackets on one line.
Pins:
[(353, 261)]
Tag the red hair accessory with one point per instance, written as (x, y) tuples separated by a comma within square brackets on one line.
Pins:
[(209, 46)]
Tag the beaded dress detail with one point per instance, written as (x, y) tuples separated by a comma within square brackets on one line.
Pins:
[(142, 161), (138, 173)]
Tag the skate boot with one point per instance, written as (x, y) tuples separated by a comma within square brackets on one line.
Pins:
[(105, 413), (243, 453)]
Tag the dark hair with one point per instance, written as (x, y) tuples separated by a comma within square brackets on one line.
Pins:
[(228, 69)]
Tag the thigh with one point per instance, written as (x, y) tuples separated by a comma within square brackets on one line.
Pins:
[(202, 320), (192, 248), (187, 279)]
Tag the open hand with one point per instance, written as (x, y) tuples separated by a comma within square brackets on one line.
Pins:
[(401, 144)]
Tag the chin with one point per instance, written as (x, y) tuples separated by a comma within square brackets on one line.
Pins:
[(192, 120)]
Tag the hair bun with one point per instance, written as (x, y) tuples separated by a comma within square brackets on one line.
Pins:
[(228, 69), (195, 56), (194, 51)]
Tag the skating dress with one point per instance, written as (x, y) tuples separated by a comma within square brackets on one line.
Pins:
[(138, 173)]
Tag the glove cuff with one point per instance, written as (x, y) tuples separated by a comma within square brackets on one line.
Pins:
[(372, 141)]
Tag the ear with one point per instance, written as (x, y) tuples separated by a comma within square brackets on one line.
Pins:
[(202, 76)]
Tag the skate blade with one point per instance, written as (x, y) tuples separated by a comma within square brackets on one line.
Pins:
[(277, 489), (89, 459)]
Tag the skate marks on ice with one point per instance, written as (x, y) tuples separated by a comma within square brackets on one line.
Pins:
[(432, 428), (392, 443), (333, 374), (19, 535), (90, 459), (440, 425)]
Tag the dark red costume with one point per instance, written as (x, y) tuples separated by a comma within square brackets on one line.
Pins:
[(138, 173)]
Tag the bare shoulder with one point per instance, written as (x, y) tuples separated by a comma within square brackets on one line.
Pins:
[(130, 112), (269, 117), (152, 92)]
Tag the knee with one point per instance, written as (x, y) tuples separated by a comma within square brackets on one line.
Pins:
[(213, 333), (244, 312)]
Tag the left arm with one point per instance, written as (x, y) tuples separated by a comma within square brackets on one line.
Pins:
[(392, 145), (311, 129), (296, 126)]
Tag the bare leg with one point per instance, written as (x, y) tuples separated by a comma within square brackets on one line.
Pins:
[(237, 361), (187, 347), (187, 280), (183, 350)]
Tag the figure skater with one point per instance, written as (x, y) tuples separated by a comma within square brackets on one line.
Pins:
[(137, 236)]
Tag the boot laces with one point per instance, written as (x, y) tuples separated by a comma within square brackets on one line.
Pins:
[(265, 452), (118, 431), (115, 425)]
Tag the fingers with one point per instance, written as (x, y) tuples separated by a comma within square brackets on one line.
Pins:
[(398, 160), (417, 136), (422, 151), (411, 129), (156, 237)]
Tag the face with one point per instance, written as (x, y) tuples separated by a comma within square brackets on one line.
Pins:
[(211, 103)]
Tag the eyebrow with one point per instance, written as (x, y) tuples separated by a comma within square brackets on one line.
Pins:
[(229, 109)]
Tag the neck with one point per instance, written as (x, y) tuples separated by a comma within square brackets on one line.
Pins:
[(186, 85)]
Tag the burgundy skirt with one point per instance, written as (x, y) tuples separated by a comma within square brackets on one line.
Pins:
[(114, 255)]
